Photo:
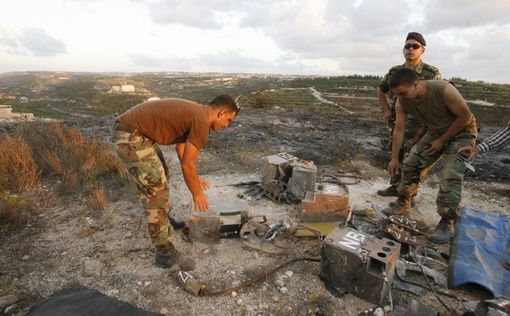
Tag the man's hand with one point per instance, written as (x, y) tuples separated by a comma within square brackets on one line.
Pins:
[(201, 202), (204, 184), (387, 116), (419, 134), (394, 167), (435, 146), (471, 150)]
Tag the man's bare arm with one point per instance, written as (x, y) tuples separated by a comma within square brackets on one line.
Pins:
[(384, 104), (189, 170), (179, 148), (397, 138)]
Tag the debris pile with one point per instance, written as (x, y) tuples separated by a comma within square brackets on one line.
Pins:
[(362, 251)]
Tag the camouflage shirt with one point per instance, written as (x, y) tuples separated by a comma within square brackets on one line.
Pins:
[(424, 71)]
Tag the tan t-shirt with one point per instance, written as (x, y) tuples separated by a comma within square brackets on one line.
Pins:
[(434, 112), (169, 121)]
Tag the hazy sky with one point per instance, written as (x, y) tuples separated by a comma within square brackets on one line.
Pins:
[(465, 38)]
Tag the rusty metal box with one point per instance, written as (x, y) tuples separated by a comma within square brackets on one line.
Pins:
[(287, 178), (328, 202), (274, 167), (303, 179), (359, 263), (223, 220)]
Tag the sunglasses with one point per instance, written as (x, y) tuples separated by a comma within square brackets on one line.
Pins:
[(414, 46)]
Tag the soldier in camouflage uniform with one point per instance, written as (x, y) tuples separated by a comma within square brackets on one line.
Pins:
[(450, 126), (136, 136), (413, 49)]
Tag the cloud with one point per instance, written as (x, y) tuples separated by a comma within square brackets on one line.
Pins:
[(12, 45), (32, 40), (474, 54), (40, 43), (194, 13), (233, 60), (439, 14), (156, 63), (336, 29)]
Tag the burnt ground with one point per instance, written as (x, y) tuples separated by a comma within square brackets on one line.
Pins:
[(68, 242)]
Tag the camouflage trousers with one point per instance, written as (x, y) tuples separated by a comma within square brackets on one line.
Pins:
[(148, 169), (452, 175), (412, 126)]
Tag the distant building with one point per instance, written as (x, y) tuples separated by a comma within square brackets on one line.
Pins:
[(6, 96), (123, 88), (7, 115), (127, 88), (5, 111)]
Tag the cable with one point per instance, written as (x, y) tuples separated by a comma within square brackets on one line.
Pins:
[(389, 288), (426, 279), (264, 275)]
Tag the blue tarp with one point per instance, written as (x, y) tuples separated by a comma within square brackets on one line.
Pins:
[(480, 248)]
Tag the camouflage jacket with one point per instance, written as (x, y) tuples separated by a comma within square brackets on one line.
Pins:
[(424, 71)]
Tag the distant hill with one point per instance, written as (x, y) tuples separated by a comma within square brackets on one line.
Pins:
[(92, 92)]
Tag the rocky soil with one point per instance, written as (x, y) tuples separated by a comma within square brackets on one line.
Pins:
[(68, 242)]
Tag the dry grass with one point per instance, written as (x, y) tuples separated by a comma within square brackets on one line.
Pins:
[(63, 151), (98, 198), (38, 150), (14, 212), (17, 166)]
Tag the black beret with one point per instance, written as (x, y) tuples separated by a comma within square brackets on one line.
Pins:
[(416, 36)]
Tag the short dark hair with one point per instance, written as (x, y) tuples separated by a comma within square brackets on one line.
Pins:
[(402, 76), (224, 102)]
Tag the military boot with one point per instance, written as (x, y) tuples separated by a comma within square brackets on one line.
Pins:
[(176, 224), (168, 256), (389, 191), (443, 232), (394, 203), (402, 206)]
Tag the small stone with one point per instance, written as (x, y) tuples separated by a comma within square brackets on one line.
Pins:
[(207, 251), (255, 255), (9, 299), (239, 302), (146, 283), (112, 292), (234, 294), (139, 283), (25, 257), (232, 272), (289, 273), (93, 266), (279, 283), (164, 311), (275, 298), (284, 290), (10, 309), (264, 288), (378, 312)]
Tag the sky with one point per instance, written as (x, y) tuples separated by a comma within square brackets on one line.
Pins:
[(469, 39)]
